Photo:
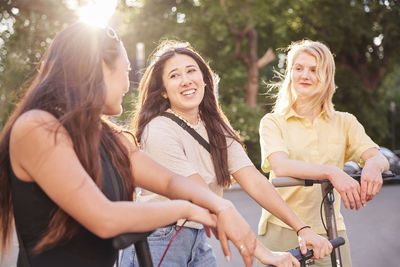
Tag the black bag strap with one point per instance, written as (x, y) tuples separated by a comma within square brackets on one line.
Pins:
[(187, 128)]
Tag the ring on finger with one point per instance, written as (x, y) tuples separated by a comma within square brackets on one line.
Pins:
[(242, 248)]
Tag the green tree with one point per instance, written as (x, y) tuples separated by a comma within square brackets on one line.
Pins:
[(26, 30), (201, 23), (364, 36), (248, 34)]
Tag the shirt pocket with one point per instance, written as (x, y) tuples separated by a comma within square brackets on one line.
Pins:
[(336, 148)]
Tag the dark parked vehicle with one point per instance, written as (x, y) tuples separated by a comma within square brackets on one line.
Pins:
[(393, 159), (351, 167)]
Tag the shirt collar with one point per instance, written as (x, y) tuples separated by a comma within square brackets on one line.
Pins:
[(292, 113)]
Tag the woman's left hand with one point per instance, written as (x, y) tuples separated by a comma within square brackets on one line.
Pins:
[(232, 226), (371, 182), (320, 245), (371, 175)]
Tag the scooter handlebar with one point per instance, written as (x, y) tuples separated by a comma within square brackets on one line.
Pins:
[(124, 240), (302, 258), (290, 181)]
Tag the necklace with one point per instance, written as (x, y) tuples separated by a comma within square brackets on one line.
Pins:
[(180, 117)]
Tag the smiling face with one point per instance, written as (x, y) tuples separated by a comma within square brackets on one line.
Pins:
[(116, 81), (304, 75), (184, 84)]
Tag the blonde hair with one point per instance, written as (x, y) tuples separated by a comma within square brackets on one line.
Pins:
[(287, 96)]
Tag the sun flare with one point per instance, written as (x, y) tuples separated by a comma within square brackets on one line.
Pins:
[(98, 12)]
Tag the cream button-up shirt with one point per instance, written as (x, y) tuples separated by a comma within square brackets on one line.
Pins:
[(327, 141)]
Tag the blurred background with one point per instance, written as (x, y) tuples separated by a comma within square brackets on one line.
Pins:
[(243, 41)]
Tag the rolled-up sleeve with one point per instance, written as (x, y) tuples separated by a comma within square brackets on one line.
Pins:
[(271, 140), (357, 140), (237, 156)]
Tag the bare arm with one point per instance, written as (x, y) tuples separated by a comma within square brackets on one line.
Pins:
[(371, 176), (348, 188), (262, 191), (54, 166), (160, 180), (197, 178)]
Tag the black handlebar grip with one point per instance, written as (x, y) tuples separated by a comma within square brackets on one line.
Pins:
[(337, 242), (297, 254), (300, 257), (124, 240)]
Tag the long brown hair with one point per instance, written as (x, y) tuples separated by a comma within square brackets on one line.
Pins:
[(70, 86), (151, 104)]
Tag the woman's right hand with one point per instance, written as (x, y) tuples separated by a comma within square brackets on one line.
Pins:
[(201, 215), (320, 245), (283, 259), (278, 259), (232, 226), (348, 188)]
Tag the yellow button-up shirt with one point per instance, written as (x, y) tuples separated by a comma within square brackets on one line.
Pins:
[(327, 141)]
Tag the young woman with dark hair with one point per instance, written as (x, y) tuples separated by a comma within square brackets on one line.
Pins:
[(67, 173), (178, 85)]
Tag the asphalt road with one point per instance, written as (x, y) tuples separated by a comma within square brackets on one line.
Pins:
[(373, 231)]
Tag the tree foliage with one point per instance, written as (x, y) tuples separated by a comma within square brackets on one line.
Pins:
[(364, 36), (26, 30)]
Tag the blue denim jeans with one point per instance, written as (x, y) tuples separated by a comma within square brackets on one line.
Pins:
[(189, 248)]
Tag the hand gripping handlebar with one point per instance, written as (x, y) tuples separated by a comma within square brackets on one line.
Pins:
[(303, 258)]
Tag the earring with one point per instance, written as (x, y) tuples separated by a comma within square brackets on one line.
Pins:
[(164, 95)]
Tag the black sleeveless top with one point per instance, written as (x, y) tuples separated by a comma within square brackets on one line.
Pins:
[(33, 210)]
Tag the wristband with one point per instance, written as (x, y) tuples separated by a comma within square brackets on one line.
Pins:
[(304, 227)]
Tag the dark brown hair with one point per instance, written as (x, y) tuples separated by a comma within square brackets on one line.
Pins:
[(151, 104), (70, 86)]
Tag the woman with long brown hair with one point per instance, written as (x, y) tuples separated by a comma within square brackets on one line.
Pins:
[(179, 123), (67, 173)]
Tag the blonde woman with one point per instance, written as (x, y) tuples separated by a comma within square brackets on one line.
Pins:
[(304, 137)]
